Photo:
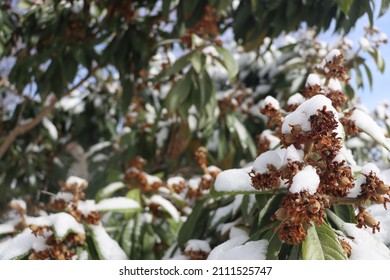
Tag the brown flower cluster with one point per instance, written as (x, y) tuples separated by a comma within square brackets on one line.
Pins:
[(274, 115), (137, 178), (75, 191), (336, 179), (205, 28), (266, 181), (322, 149), (56, 249)]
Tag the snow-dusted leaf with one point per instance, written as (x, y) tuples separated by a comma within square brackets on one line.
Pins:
[(118, 204), (167, 206), (50, 128), (18, 246), (108, 190), (321, 243), (234, 181), (6, 229), (368, 125), (106, 247)]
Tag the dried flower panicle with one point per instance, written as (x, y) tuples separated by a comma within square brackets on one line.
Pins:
[(137, 178), (313, 125)]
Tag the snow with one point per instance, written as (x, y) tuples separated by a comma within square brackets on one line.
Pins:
[(111, 188), (370, 167), (334, 85), (356, 190), (20, 245), (177, 180), (86, 206), (221, 213), (305, 180), (292, 154), (364, 246), (6, 228), (274, 157), (365, 170), (108, 248), (97, 147), (309, 108), (213, 168), (74, 180), (369, 126), (224, 228), (235, 249), (296, 99), (194, 182), (364, 43), (167, 205), (332, 54), (50, 128), (345, 154), (197, 245), (152, 179), (62, 223), (18, 203), (382, 215), (224, 247), (65, 196), (269, 100), (313, 79), (272, 139), (117, 203), (234, 180)]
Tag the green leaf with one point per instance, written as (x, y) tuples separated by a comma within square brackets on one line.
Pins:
[(345, 212), (269, 208), (177, 66), (191, 224), (384, 7), (274, 245), (321, 243), (228, 62), (369, 74), (198, 61), (179, 92), (344, 5)]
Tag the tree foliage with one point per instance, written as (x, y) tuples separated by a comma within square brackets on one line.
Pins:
[(126, 92)]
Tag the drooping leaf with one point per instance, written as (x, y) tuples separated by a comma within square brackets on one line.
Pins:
[(321, 243), (228, 62), (344, 5), (187, 230)]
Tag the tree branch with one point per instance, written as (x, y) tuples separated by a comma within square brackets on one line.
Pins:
[(21, 129)]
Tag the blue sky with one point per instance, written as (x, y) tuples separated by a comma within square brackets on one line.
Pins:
[(381, 84)]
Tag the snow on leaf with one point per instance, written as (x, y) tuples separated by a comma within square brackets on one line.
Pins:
[(107, 248), (197, 245), (364, 245), (62, 224), (368, 125), (234, 180), (237, 249), (6, 228), (167, 206), (109, 190), (18, 246), (50, 128), (117, 204)]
